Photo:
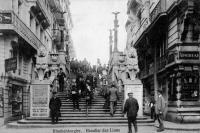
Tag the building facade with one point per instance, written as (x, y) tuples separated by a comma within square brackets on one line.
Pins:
[(165, 34), (26, 27)]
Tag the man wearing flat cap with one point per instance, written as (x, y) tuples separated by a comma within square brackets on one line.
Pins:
[(131, 107), (54, 105), (159, 109)]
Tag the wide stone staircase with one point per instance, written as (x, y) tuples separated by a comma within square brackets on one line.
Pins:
[(95, 116)]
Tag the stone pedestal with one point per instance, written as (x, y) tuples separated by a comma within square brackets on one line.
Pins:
[(136, 87), (40, 97)]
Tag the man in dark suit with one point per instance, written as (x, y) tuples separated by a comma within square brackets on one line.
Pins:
[(114, 96), (75, 97), (159, 109), (61, 78), (131, 107), (54, 105)]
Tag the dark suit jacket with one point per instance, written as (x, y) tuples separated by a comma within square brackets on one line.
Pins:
[(54, 105), (131, 107)]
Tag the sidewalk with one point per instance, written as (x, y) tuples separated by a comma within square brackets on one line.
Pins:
[(169, 128)]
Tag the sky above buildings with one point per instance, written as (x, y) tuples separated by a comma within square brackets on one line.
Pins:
[(92, 20)]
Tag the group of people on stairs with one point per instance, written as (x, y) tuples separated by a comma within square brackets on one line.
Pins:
[(79, 88), (83, 88)]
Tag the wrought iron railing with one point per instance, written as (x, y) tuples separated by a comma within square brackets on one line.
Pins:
[(44, 8), (156, 11), (24, 31)]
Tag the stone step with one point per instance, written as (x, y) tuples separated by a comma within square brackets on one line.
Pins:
[(90, 112), (93, 104), (89, 126), (86, 118), (184, 110), (95, 97), (93, 101), (83, 99), (189, 114), (90, 115), (84, 106), (80, 121)]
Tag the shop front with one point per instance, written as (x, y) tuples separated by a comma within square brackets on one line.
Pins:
[(183, 94), (16, 100), (185, 82)]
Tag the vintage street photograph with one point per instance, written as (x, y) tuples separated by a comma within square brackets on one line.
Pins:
[(99, 66)]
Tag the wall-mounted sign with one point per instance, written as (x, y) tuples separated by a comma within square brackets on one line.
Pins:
[(5, 18), (11, 64), (192, 55), (40, 100)]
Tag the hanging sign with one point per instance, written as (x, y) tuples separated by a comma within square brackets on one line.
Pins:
[(11, 64), (5, 18)]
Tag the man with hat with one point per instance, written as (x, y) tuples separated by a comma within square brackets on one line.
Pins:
[(113, 97), (131, 107), (54, 105), (159, 109), (61, 78)]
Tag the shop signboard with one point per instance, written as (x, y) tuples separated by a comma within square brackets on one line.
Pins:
[(39, 100), (192, 55), (5, 18), (11, 64)]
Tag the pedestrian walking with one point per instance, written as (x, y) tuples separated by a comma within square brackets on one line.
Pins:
[(159, 109), (131, 107), (88, 95), (75, 96), (54, 105), (61, 78), (107, 99), (152, 107), (81, 85), (114, 96)]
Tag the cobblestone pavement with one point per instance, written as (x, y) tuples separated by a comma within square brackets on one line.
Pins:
[(142, 129)]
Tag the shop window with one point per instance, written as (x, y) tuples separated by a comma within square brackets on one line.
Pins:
[(190, 86), (16, 100), (172, 88)]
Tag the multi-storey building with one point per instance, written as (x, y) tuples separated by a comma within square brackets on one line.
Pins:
[(25, 27), (166, 36)]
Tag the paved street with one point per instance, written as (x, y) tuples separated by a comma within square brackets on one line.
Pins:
[(142, 129)]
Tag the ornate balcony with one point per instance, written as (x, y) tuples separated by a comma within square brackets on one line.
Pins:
[(44, 9), (16, 25), (156, 11)]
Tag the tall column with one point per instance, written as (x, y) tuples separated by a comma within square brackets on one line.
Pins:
[(62, 52), (115, 31), (110, 43)]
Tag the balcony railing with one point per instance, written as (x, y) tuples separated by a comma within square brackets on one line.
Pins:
[(19, 27), (45, 10), (25, 32), (156, 11)]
